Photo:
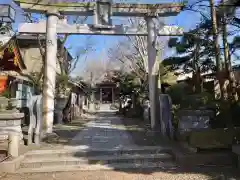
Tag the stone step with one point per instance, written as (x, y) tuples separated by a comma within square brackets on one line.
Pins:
[(103, 160), (76, 152), (117, 166)]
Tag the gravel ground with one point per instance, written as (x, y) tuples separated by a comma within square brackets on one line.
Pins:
[(200, 174), (105, 176)]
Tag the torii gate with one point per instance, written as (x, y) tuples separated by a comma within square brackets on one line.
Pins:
[(102, 10)]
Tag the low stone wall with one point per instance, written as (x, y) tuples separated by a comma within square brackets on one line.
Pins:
[(191, 120), (212, 138), (194, 129)]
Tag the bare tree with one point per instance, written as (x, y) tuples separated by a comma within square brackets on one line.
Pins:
[(132, 50), (94, 72)]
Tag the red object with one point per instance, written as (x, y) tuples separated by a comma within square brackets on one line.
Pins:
[(3, 85)]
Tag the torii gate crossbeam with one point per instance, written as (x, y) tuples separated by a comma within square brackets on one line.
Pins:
[(53, 11), (88, 8), (86, 29)]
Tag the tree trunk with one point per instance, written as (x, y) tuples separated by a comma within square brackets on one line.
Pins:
[(196, 70), (216, 47), (228, 65)]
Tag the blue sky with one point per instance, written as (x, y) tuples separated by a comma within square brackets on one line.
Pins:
[(101, 44)]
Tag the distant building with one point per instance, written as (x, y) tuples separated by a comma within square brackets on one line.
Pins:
[(29, 46), (185, 76)]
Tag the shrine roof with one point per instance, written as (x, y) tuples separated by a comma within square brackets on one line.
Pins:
[(25, 40), (11, 57), (104, 84)]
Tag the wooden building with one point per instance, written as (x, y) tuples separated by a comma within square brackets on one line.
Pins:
[(106, 92), (20, 61), (11, 66)]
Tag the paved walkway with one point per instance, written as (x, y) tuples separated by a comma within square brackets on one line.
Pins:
[(106, 131)]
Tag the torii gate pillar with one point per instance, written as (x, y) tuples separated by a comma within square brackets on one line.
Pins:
[(153, 74), (50, 70)]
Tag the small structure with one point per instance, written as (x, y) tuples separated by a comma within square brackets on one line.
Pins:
[(12, 83), (106, 92), (71, 107)]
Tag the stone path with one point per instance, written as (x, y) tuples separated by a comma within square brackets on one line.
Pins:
[(107, 131)]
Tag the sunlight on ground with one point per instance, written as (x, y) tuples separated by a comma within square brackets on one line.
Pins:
[(127, 128), (118, 127), (68, 127)]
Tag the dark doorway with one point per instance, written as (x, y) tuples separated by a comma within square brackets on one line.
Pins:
[(106, 95)]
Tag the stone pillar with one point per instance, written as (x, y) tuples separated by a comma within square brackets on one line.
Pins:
[(13, 144), (101, 95), (113, 96), (153, 73), (92, 99), (87, 102), (50, 71)]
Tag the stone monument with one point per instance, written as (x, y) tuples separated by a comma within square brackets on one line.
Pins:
[(166, 115), (10, 125)]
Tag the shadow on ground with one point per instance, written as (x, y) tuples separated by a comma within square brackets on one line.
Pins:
[(110, 131)]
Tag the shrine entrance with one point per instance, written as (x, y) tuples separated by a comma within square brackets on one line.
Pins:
[(102, 12), (106, 93)]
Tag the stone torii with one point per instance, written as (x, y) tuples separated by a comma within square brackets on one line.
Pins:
[(102, 12)]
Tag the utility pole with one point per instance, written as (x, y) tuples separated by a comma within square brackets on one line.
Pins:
[(92, 97)]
